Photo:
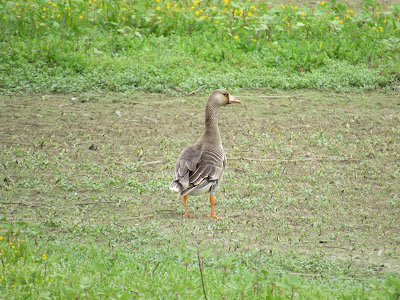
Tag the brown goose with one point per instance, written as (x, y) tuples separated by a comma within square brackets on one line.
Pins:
[(200, 167)]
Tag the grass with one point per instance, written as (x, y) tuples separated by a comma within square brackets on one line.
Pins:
[(311, 192), (311, 196), (81, 46)]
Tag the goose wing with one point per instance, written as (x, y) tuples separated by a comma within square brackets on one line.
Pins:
[(196, 167)]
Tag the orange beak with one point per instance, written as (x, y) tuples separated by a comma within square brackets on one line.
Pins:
[(232, 99)]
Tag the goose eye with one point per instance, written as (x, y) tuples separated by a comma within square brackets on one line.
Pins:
[(225, 94)]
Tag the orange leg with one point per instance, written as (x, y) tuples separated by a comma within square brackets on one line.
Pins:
[(213, 215), (184, 204)]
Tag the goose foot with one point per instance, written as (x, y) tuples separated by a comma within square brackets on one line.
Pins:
[(213, 215)]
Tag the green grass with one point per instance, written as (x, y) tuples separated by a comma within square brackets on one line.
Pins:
[(48, 270), (311, 190), (111, 46), (311, 196)]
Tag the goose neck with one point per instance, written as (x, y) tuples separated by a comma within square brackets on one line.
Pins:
[(211, 122)]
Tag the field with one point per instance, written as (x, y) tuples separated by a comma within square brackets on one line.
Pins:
[(99, 97), (176, 47), (311, 197)]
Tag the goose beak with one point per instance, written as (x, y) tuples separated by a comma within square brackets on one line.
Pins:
[(232, 99)]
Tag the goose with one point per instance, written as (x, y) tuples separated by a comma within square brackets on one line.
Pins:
[(200, 167)]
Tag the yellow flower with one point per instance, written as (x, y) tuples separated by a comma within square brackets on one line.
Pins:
[(249, 14), (158, 8), (377, 12), (80, 17), (385, 21), (123, 18), (341, 21), (217, 22), (322, 3), (177, 10), (1, 238), (303, 13), (320, 45), (235, 37), (58, 15), (44, 8), (197, 13), (21, 257), (202, 17), (283, 7), (18, 4), (44, 256), (255, 40)]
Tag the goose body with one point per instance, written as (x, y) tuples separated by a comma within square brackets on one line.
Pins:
[(200, 167)]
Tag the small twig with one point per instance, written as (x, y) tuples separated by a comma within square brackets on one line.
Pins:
[(258, 269), (92, 203), (300, 126), (305, 274), (170, 101), (177, 89), (196, 91), (147, 118), (22, 203), (294, 160), (201, 272), (155, 268), (143, 164), (278, 97), (150, 163)]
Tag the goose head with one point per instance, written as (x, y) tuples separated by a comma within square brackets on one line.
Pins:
[(221, 98)]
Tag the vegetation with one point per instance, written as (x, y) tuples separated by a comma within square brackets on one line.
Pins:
[(159, 46), (310, 192)]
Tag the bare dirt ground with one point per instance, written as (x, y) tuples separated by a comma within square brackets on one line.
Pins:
[(311, 177)]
